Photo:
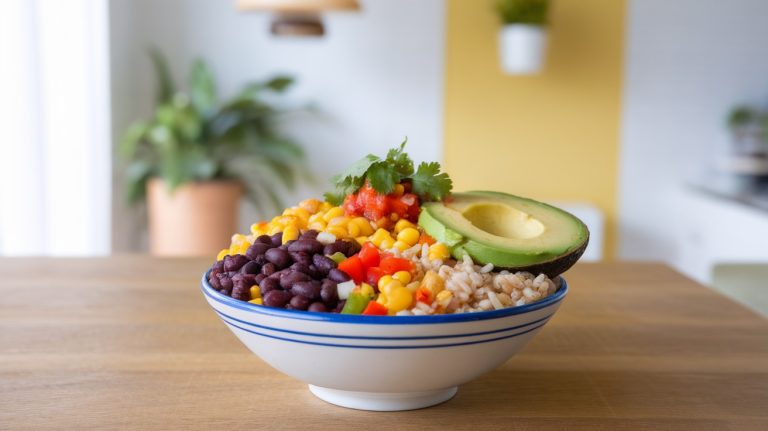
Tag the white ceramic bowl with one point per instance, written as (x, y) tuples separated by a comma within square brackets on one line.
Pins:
[(382, 362)]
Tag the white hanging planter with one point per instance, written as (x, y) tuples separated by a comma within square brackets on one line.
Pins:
[(522, 48)]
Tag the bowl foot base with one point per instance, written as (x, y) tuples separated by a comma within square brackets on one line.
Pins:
[(383, 401)]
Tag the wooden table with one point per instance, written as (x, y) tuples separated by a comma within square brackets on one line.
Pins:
[(129, 343)]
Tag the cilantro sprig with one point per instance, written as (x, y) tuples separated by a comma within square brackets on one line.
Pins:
[(428, 183)]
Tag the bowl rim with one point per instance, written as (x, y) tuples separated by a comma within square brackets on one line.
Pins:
[(216, 296)]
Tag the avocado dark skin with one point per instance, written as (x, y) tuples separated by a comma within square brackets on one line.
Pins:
[(553, 268)]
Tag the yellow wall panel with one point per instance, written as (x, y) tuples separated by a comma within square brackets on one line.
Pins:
[(550, 136)]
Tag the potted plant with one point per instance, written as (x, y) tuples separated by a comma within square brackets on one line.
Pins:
[(196, 157), (523, 36)]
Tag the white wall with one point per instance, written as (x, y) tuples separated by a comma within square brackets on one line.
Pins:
[(376, 76), (687, 63)]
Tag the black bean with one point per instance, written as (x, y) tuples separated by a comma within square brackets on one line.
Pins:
[(276, 298), (227, 292), (225, 282), (259, 278), (318, 307), (234, 263), (292, 278), (310, 234), (310, 246), (329, 294), (217, 267), (269, 284), (268, 269), (214, 281), (250, 268), (353, 247), (277, 239), (300, 267), (279, 257), (256, 250), (231, 274), (260, 259), (314, 272), (241, 293), (338, 275), (299, 302), (335, 247), (310, 289), (301, 257), (323, 263), (264, 239)]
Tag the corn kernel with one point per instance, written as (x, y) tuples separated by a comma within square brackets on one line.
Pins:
[(367, 290), (257, 301), (338, 231), (290, 233), (317, 225), (399, 190), (439, 251), (409, 236), (394, 216), (325, 206), (315, 217), (255, 291), (361, 239), (258, 229), (387, 243), (443, 299), (402, 224), (413, 286), (364, 225), (222, 253), (311, 205), (333, 213), (401, 245), (238, 249), (433, 282), (273, 229), (353, 229), (238, 239), (392, 285), (396, 300), (384, 280), (379, 236), (402, 276)]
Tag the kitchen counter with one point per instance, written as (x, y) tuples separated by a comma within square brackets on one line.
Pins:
[(130, 343)]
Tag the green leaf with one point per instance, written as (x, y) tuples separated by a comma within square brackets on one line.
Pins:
[(357, 170), (429, 184), (399, 160), (279, 83), (382, 177), (166, 87), (203, 88), (131, 139)]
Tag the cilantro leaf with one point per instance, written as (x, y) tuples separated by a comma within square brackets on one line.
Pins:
[(429, 184), (382, 177), (399, 160)]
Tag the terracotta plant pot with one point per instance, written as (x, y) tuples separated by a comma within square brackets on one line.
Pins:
[(198, 219)]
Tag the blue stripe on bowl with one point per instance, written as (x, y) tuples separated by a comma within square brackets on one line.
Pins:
[(360, 337), (431, 346), (211, 293)]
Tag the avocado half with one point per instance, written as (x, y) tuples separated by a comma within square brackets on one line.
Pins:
[(508, 231)]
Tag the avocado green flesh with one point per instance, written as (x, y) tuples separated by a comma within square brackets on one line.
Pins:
[(505, 230)]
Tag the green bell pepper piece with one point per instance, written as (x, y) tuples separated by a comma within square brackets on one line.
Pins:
[(338, 257), (355, 304)]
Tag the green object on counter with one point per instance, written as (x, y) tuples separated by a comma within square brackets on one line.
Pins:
[(355, 304), (338, 257)]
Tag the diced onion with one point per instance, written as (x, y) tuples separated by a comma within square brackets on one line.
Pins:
[(345, 288), (326, 238)]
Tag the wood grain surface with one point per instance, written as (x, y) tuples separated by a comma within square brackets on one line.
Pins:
[(129, 343)]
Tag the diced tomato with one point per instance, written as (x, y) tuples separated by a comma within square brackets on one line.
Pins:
[(354, 268), (375, 309), (374, 206), (391, 265), (372, 276), (369, 255), (424, 295), (424, 238)]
